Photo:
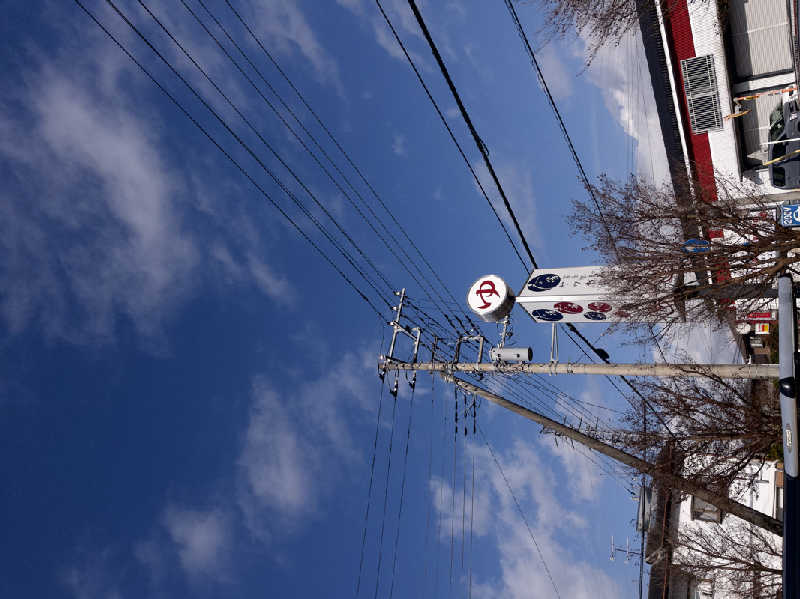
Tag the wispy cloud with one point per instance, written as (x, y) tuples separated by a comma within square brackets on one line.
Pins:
[(517, 181), (96, 220), (403, 20), (399, 145), (291, 440), (536, 487), (559, 80), (286, 27), (202, 540), (620, 73), (93, 575)]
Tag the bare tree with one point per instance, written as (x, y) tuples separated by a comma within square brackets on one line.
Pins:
[(603, 22), (717, 428), (741, 560), (642, 231), (600, 22)]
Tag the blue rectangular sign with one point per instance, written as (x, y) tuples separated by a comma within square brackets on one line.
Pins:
[(790, 215)]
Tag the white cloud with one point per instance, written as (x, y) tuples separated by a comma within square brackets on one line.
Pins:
[(620, 72), (286, 28), (292, 445), (276, 468), (94, 220), (203, 541), (517, 181), (580, 471), (403, 20), (559, 79), (152, 555), (544, 502), (399, 145), (92, 576)]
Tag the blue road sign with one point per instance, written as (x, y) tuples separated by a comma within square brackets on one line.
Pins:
[(696, 246), (790, 215)]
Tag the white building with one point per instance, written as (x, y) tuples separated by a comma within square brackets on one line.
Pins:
[(675, 517)]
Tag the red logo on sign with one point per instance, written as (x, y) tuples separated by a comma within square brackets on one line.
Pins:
[(600, 307), (487, 288), (568, 308)]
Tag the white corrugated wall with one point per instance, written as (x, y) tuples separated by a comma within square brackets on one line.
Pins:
[(761, 37)]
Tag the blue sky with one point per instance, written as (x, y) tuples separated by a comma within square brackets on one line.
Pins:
[(189, 391)]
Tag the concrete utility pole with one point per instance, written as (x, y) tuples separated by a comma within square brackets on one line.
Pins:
[(674, 481), (725, 371), (787, 384)]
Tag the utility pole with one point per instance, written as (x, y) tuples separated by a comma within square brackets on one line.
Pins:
[(787, 384), (674, 481), (725, 371)]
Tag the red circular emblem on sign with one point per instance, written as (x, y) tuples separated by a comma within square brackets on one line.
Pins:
[(600, 307), (568, 308)]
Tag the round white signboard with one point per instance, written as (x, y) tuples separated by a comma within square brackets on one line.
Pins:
[(490, 298)]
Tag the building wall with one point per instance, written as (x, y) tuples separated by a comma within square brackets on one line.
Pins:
[(760, 495)]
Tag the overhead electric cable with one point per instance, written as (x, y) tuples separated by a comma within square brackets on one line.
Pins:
[(316, 159), (482, 146), (532, 55), (369, 490), (247, 148), (230, 158), (350, 161), (632, 387), (269, 146), (450, 131), (402, 487), (520, 511), (386, 488), (478, 141)]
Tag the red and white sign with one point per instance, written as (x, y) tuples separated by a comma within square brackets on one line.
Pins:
[(769, 315), (762, 328), (490, 298), (575, 294)]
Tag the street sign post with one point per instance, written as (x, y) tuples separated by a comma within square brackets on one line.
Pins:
[(696, 246), (790, 215)]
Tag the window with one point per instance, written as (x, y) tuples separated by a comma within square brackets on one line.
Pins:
[(702, 96), (700, 589), (779, 495), (702, 510), (778, 176), (776, 123)]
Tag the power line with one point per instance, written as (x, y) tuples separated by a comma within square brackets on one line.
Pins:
[(402, 486), (450, 131), (230, 158), (386, 488), (314, 156), (369, 490), (484, 152), (268, 146), (350, 161), (249, 150), (521, 512), (532, 55), (478, 141)]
